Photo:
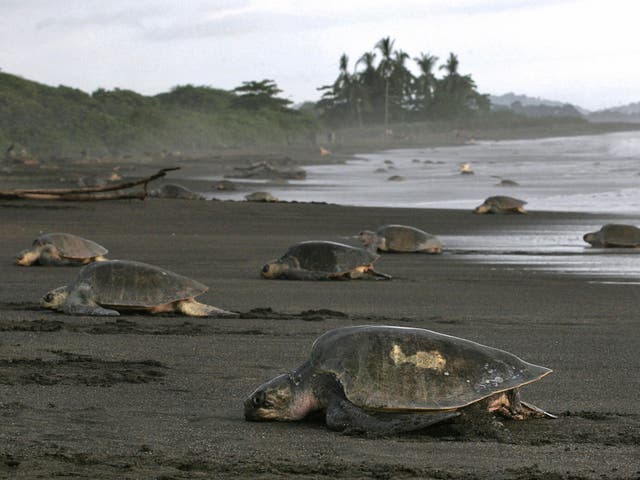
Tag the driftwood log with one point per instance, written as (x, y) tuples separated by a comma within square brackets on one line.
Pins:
[(87, 193)]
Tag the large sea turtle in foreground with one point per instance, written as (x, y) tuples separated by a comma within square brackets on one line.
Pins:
[(400, 238), (386, 380), (501, 204), (614, 235), (322, 260), (107, 288), (56, 249)]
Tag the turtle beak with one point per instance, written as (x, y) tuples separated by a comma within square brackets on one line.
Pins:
[(252, 406)]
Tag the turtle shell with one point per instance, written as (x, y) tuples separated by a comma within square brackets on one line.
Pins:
[(412, 369), (402, 238), (504, 202), (619, 235), (331, 257), (71, 246), (136, 284)]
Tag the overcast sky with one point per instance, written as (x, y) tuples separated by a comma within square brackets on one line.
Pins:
[(586, 52)]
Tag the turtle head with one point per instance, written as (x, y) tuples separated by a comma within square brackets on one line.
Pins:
[(271, 401), (284, 397), (39, 253), (55, 298), (484, 208), (591, 238), (277, 268), (369, 239), (27, 257), (272, 269)]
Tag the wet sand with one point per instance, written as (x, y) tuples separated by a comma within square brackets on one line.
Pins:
[(161, 396)]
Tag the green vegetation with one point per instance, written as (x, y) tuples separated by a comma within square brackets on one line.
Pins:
[(381, 102), (66, 122), (390, 92)]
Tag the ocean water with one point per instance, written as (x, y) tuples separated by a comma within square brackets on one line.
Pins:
[(598, 174)]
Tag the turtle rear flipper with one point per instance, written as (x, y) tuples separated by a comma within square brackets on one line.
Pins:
[(197, 309), (50, 257), (533, 411), (348, 418)]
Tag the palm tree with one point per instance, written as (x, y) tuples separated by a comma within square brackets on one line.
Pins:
[(425, 82), (401, 81), (385, 67), (452, 65), (368, 80), (456, 94), (344, 98), (368, 76)]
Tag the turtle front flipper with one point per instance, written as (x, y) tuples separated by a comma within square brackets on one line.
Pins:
[(509, 405), (80, 301), (50, 257), (533, 411), (197, 309), (346, 417), (379, 275), (368, 273), (75, 309)]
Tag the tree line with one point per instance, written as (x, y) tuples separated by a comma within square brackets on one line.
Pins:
[(67, 122), (382, 89)]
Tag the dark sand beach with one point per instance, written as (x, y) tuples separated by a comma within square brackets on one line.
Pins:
[(160, 397)]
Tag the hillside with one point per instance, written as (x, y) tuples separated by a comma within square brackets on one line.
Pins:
[(535, 106), (626, 113), (66, 122)]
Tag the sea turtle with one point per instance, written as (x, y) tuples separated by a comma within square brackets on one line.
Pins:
[(614, 235), (386, 380), (106, 288), (56, 249), (466, 169), (321, 260), (260, 197), (396, 178), (270, 171), (505, 182), (501, 204), (224, 185), (400, 238), (172, 190)]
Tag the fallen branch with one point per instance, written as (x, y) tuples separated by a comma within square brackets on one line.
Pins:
[(87, 193)]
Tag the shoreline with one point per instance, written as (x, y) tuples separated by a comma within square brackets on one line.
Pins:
[(348, 143)]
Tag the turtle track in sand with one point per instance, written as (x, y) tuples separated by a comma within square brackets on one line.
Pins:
[(145, 324), (76, 369)]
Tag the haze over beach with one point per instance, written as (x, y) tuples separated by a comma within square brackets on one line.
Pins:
[(581, 52), (207, 138)]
